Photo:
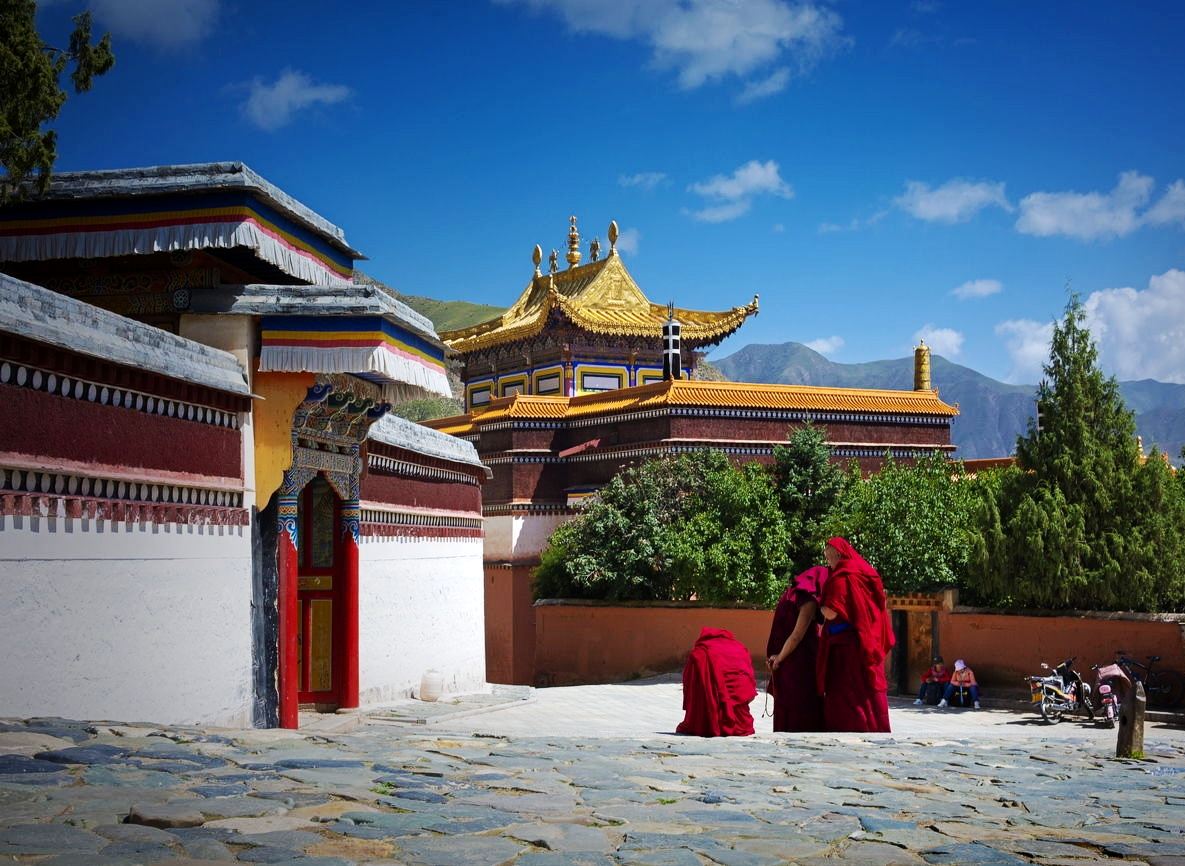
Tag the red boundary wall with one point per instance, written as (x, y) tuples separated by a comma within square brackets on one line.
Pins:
[(580, 642)]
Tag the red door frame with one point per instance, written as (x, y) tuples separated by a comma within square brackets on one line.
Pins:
[(288, 568), (305, 568)]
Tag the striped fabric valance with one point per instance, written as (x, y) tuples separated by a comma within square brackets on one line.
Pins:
[(119, 227), (405, 364)]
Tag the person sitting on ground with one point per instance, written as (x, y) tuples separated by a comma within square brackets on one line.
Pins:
[(933, 683), (718, 686), (962, 679)]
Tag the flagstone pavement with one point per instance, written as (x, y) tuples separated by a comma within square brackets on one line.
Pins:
[(589, 775)]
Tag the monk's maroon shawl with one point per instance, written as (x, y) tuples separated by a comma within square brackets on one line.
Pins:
[(796, 702), (718, 685)]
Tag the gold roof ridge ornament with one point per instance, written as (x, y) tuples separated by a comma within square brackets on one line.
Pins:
[(573, 255), (537, 258), (613, 237)]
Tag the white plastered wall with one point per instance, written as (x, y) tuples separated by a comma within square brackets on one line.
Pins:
[(104, 622), (420, 606), (516, 537)]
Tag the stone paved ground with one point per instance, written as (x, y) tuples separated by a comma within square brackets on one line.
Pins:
[(590, 775)]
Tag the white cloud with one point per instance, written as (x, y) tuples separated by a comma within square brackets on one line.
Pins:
[(628, 240), (852, 225), (1170, 208), (1028, 345), (646, 180), (778, 228), (752, 178), (826, 345), (270, 106), (977, 289), (722, 213), (165, 23), (1141, 333), (760, 89), (1088, 216), (711, 40), (731, 195), (943, 341), (955, 201)]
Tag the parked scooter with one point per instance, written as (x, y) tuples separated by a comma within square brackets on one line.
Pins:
[(1112, 683), (1060, 692)]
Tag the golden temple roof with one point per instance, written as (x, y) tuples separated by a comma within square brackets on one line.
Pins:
[(693, 393), (600, 297)]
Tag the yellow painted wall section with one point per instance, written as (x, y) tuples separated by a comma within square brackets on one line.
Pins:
[(281, 393)]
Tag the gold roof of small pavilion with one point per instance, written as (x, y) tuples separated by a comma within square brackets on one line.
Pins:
[(701, 394), (600, 297)]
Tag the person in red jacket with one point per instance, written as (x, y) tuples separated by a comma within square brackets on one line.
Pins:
[(933, 682), (718, 686)]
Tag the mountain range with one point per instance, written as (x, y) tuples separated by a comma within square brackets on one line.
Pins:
[(991, 413)]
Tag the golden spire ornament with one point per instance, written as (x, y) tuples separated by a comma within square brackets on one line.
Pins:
[(537, 258), (612, 237), (573, 256)]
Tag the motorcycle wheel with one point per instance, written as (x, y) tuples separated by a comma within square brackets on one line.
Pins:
[(1050, 712), (1164, 689)]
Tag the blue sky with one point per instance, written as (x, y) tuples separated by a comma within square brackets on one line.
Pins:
[(876, 171)]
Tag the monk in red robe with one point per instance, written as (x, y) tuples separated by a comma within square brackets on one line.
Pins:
[(718, 685), (857, 635), (791, 654)]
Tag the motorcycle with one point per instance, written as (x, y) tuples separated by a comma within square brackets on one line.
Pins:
[(1112, 682), (1060, 692)]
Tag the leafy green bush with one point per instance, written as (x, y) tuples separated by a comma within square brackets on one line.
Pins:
[(676, 528)]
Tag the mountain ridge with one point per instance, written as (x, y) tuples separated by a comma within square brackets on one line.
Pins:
[(991, 413)]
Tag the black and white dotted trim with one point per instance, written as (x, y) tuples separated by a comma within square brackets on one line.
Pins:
[(391, 466), (37, 482), (71, 387), (413, 518)]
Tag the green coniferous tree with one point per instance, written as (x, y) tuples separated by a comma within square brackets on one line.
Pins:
[(1072, 533), (809, 487), (30, 95)]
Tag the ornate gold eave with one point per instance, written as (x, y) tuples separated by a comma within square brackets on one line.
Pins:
[(686, 393), (602, 298)]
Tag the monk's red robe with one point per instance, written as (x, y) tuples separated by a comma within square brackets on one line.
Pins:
[(851, 661), (797, 704), (718, 685)]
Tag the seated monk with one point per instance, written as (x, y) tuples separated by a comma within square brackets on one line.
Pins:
[(718, 684)]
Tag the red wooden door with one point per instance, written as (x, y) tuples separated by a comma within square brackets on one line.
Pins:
[(319, 596)]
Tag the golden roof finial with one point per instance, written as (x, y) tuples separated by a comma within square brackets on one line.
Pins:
[(612, 237), (537, 258), (594, 250), (670, 311), (553, 262), (573, 256)]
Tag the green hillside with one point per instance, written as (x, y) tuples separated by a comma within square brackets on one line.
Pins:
[(445, 315), (991, 413)]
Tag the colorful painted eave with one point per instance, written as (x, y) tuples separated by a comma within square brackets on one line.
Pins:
[(192, 178), (127, 212), (602, 298), (695, 394)]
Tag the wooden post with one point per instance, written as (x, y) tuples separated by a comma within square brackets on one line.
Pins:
[(1130, 742)]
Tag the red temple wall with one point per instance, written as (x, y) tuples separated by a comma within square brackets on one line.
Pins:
[(49, 426)]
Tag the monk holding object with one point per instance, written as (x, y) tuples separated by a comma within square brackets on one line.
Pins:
[(791, 654), (718, 685), (855, 640)]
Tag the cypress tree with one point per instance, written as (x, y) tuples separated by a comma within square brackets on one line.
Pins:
[(1072, 534)]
